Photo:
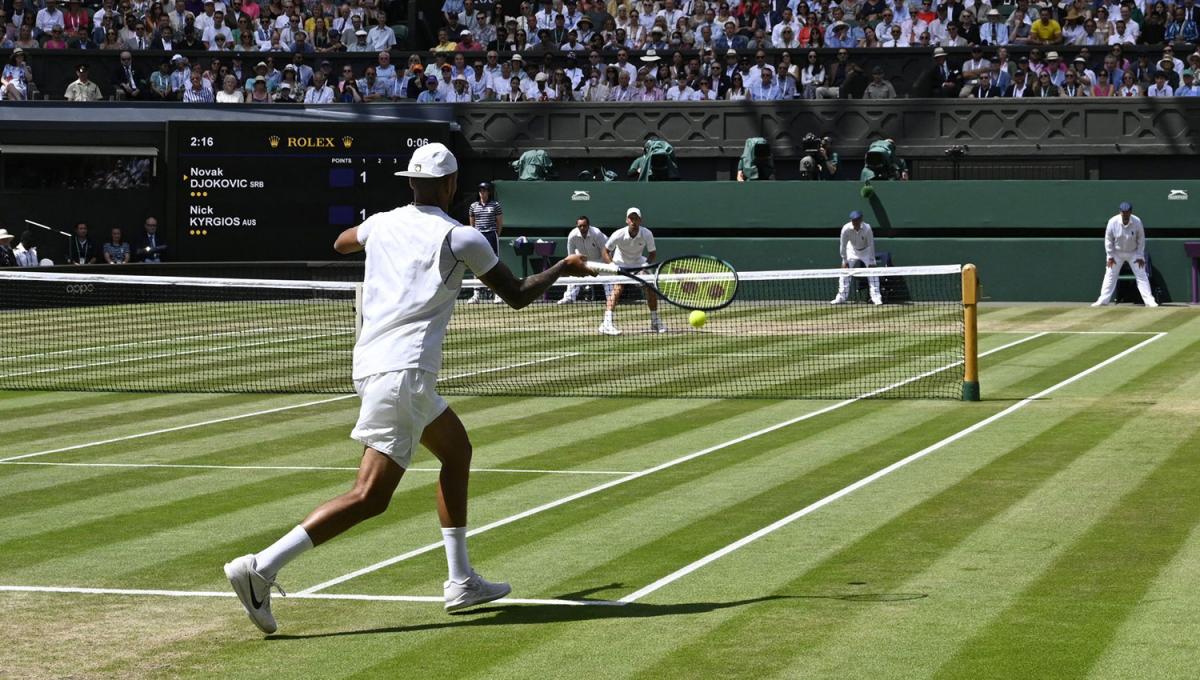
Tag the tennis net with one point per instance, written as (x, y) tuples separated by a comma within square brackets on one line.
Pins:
[(781, 338)]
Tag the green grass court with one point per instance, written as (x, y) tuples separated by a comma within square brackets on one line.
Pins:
[(1049, 531)]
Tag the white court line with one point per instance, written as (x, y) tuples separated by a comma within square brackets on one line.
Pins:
[(779, 524), (155, 341), (298, 596), (304, 468), (214, 421), (649, 471), (1075, 332), (162, 355)]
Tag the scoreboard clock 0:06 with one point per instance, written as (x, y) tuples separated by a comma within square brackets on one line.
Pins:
[(283, 191)]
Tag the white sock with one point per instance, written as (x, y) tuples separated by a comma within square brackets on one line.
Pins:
[(608, 316), (270, 561), (456, 553)]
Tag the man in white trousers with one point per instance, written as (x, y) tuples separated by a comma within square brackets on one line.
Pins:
[(416, 256), (1125, 241), (588, 241), (856, 247)]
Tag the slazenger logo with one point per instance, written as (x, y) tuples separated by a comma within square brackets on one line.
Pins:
[(80, 288)]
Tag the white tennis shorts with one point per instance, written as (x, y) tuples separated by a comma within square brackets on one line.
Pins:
[(396, 408)]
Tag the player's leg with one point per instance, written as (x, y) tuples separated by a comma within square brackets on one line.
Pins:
[(608, 327), (447, 439), (1142, 274), (656, 324), (1108, 287)]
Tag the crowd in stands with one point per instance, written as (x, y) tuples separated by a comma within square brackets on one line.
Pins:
[(597, 51), (147, 247)]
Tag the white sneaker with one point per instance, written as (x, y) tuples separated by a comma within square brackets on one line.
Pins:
[(877, 302), (657, 326), (609, 329), (1150, 304), (1099, 303), (474, 299), (565, 301), (497, 300), (254, 591), (476, 590), (838, 301)]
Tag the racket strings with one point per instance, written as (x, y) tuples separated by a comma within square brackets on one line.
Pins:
[(697, 281)]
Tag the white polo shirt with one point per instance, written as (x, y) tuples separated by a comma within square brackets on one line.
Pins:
[(590, 246), (1125, 239), (857, 244), (416, 256), (630, 251)]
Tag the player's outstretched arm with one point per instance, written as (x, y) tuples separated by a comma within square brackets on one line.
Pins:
[(519, 293), (347, 242)]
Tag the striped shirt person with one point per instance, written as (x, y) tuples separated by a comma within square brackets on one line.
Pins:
[(487, 216)]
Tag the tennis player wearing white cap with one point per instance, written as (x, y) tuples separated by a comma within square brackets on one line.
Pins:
[(856, 247), (630, 246), (416, 256), (1125, 242)]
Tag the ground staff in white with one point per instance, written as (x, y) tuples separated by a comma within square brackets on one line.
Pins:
[(1125, 241), (631, 246), (856, 247), (588, 241), (416, 256)]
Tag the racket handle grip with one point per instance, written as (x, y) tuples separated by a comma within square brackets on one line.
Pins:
[(602, 267)]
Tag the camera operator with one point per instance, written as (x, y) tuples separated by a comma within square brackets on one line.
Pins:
[(818, 159)]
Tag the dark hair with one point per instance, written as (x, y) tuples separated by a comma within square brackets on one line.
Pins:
[(583, 217)]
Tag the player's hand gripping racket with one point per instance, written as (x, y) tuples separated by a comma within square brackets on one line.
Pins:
[(690, 281)]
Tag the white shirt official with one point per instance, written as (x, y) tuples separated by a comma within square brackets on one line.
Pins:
[(857, 244), (590, 246), (1125, 239)]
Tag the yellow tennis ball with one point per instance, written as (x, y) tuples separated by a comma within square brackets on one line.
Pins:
[(697, 318)]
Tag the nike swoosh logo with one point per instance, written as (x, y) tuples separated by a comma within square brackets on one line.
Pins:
[(253, 600)]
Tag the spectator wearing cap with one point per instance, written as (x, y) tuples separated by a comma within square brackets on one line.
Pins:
[(839, 36), (381, 36), (1086, 76), (1125, 243), (941, 79), (83, 89), (446, 81), (467, 43), (8, 258), (879, 87), (1166, 66), (181, 75), (431, 94), (460, 92), (1189, 87), (856, 249)]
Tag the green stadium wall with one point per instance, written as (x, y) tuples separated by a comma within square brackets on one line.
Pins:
[(1061, 259)]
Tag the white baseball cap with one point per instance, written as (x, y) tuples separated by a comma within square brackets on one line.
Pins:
[(633, 211), (4, 235), (430, 161)]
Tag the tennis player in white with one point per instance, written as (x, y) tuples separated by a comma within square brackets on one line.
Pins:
[(588, 241), (856, 246), (416, 256), (630, 246), (1125, 241)]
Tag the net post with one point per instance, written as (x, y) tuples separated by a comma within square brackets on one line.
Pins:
[(358, 317), (970, 299)]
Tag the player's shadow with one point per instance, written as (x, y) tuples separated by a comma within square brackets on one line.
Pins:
[(535, 614)]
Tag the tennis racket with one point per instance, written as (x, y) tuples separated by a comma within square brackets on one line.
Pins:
[(699, 282)]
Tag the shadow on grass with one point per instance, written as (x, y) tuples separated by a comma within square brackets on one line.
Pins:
[(533, 614)]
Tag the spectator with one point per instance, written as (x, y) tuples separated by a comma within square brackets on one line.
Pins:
[(80, 250), (49, 18), (1044, 87), (83, 89), (1072, 87), (1160, 88), (259, 94), (381, 36), (56, 40), (765, 88), (1121, 35), (1189, 87), (431, 94), (952, 37), (165, 42), (1045, 31), (896, 37), (1129, 86), (160, 83), (26, 251), (994, 31), (879, 88), (319, 92), (1125, 243), (198, 91), (982, 88), (737, 90), (812, 76), (230, 92), (286, 94), (16, 78), (941, 80), (127, 82), (1181, 29), (7, 257), (116, 251), (1020, 85)]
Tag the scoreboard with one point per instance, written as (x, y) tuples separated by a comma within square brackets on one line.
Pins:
[(283, 191)]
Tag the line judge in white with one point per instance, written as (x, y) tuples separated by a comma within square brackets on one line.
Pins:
[(416, 256), (856, 247), (588, 241), (631, 246), (1125, 241)]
